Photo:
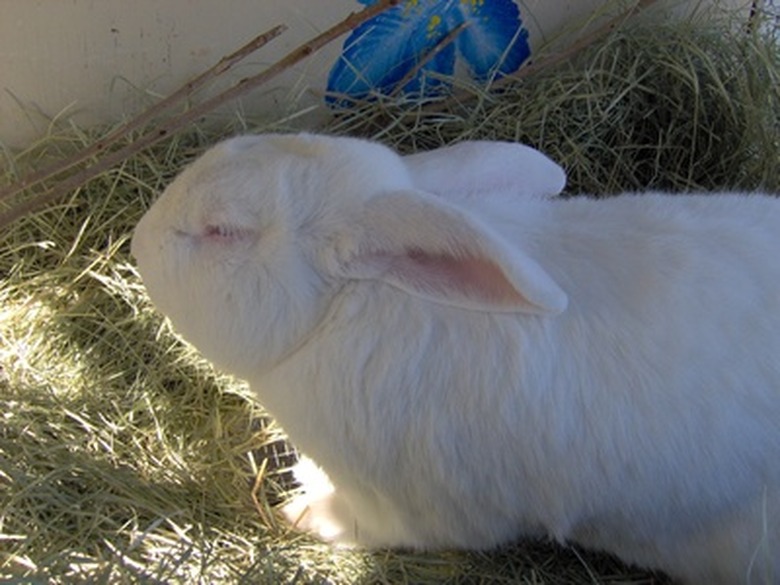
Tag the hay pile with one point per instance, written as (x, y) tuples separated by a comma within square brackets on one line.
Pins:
[(124, 457)]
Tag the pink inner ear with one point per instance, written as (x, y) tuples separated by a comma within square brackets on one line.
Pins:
[(471, 278)]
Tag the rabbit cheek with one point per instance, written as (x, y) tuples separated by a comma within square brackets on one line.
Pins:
[(208, 269)]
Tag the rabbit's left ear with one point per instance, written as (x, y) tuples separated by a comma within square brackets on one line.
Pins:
[(482, 168), (422, 245)]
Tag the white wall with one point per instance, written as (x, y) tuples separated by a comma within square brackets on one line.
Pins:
[(102, 60)]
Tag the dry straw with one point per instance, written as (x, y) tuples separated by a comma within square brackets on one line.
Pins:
[(126, 458)]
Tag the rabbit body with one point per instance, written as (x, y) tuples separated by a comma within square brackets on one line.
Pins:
[(472, 367)]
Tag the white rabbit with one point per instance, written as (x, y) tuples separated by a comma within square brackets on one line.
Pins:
[(471, 370)]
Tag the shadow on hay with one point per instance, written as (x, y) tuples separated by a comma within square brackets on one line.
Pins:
[(122, 455), (531, 562)]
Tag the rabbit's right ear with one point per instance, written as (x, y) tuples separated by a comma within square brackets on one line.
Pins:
[(482, 168), (419, 243)]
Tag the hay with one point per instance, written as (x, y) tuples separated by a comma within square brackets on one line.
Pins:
[(680, 106), (124, 457)]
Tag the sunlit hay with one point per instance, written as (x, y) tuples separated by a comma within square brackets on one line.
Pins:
[(124, 457)]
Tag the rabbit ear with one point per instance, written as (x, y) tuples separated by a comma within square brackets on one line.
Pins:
[(420, 244), (483, 168)]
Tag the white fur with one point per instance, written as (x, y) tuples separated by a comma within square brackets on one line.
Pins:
[(479, 168), (470, 370)]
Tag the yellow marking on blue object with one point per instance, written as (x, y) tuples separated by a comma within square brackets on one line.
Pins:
[(433, 24)]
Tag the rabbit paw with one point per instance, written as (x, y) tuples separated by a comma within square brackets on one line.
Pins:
[(318, 509), (319, 517)]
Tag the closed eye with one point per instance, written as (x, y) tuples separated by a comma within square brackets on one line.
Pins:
[(228, 233), (219, 233)]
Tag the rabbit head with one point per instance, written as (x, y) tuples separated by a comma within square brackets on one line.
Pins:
[(249, 246)]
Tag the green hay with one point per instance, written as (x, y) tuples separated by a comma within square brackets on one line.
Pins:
[(126, 458)]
